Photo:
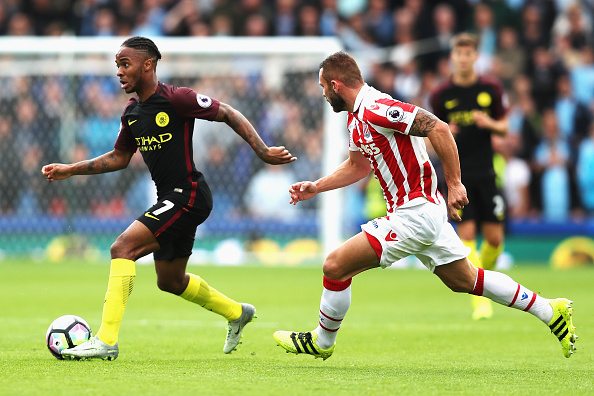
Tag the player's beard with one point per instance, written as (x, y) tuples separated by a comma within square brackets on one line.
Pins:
[(336, 101)]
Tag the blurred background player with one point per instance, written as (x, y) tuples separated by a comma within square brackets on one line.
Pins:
[(475, 107), (386, 134), (160, 123)]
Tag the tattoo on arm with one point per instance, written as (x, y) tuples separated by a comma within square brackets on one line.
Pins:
[(105, 163), (423, 124), (242, 127)]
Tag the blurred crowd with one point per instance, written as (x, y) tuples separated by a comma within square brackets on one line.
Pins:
[(541, 50)]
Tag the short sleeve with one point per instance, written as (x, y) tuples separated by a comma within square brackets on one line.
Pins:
[(188, 103), (500, 101), (388, 114), (125, 140)]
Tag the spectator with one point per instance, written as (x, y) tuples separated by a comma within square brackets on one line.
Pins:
[(582, 77), (309, 21), (329, 18), (379, 22), (179, 19), (285, 18), (20, 25), (510, 58), (10, 165), (551, 161), (533, 32), (516, 179), (545, 73), (574, 23), (266, 194), (572, 115), (584, 170)]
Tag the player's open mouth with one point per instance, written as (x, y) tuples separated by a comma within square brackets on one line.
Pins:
[(124, 84)]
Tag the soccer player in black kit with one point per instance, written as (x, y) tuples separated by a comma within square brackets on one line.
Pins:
[(475, 107), (160, 123)]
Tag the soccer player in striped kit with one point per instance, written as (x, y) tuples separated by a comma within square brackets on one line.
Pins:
[(386, 137)]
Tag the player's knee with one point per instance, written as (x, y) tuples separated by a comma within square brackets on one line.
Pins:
[(124, 249), (495, 241), (172, 286), (332, 270)]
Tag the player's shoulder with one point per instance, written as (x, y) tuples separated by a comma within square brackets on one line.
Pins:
[(169, 90), (490, 81), (131, 104)]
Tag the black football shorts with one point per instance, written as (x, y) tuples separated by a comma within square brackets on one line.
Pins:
[(486, 202), (173, 221)]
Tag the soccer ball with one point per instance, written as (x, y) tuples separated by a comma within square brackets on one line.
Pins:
[(66, 332)]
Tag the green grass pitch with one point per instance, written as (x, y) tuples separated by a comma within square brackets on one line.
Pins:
[(404, 334)]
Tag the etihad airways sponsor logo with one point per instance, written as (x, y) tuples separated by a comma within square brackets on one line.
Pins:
[(150, 143)]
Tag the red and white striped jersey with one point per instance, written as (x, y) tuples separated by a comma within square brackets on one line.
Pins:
[(379, 127)]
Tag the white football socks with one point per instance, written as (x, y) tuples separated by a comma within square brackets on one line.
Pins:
[(505, 291), (335, 302)]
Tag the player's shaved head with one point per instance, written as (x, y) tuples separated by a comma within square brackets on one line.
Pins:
[(145, 45), (342, 67)]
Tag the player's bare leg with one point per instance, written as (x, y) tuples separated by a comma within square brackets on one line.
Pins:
[(462, 276), (351, 258)]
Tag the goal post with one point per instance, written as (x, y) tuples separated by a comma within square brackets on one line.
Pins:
[(62, 103)]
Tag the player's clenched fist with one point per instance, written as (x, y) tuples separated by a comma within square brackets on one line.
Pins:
[(278, 155), (55, 172), (302, 191)]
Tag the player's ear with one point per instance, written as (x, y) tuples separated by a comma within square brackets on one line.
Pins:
[(148, 64), (334, 85)]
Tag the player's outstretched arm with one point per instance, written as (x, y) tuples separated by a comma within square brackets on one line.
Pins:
[(438, 132), (355, 168), (241, 126), (108, 162)]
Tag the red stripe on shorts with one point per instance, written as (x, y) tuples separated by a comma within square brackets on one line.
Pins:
[(375, 244), (166, 225)]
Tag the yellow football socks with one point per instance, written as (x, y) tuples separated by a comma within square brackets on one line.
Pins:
[(121, 282), (489, 254), (208, 297), (481, 305), (473, 256)]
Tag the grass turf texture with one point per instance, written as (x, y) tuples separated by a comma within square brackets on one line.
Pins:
[(404, 334)]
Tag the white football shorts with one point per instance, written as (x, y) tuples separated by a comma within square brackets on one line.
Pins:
[(421, 228)]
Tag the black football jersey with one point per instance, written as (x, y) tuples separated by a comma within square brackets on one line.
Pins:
[(454, 103), (161, 128)]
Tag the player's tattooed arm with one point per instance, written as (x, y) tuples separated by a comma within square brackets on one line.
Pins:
[(423, 124), (241, 126), (108, 162)]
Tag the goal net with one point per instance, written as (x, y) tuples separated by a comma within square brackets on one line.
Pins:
[(61, 102)]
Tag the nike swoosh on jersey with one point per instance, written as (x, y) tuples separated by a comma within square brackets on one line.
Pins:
[(130, 122), (147, 214), (450, 104)]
